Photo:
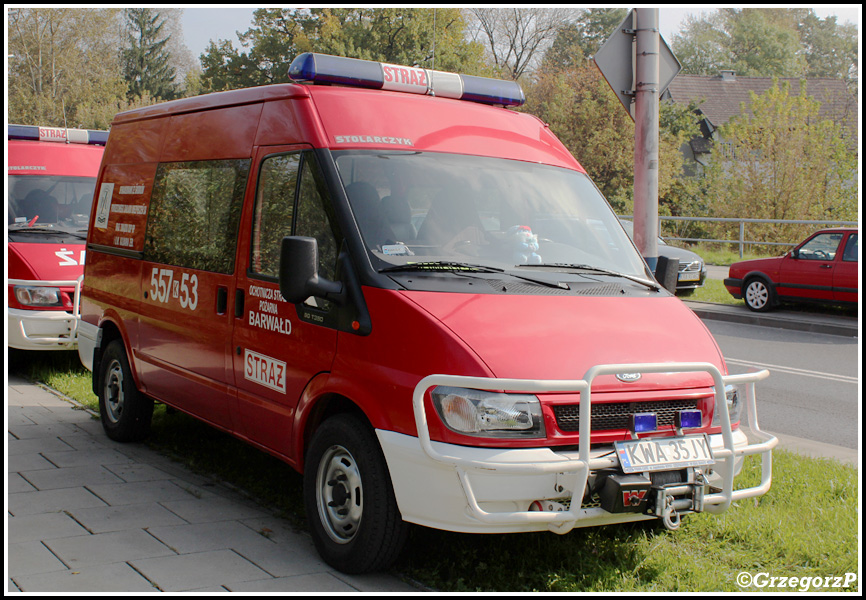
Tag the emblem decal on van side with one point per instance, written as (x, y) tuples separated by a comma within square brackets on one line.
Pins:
[(103, 206), (265, 370)]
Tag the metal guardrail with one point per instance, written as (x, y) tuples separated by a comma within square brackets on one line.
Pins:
[(742, 241)]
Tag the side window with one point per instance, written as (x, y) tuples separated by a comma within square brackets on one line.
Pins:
[(281, 178), (314, 221), (275, 204), (194, 214), (820, 247)]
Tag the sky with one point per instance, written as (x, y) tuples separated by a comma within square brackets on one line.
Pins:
[(200, 25)]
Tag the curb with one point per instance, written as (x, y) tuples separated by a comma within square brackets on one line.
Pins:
[(827, 324)]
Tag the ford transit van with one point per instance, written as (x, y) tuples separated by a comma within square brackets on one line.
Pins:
[(414, 295), (50, 180)]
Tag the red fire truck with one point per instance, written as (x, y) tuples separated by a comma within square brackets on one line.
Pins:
[(414, 295), (51, 178)]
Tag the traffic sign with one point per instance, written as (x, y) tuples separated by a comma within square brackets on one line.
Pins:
[(616, 61)]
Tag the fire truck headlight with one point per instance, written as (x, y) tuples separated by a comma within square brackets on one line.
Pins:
[(732, 399), (37, 296), (490, 414)]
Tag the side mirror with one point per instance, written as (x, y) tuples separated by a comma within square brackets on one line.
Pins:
[(795, 253), (667, 271), (299, 276)]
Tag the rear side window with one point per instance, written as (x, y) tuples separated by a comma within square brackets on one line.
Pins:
[(194, 214), (851, 248)]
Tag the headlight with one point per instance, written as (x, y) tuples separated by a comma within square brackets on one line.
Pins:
[(38, 296), (474, 412), (732, 399)]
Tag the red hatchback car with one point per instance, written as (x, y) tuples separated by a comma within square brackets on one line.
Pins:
[(824, 269)]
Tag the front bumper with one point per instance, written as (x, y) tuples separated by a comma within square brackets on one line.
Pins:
[(45, 329), (488, 490)]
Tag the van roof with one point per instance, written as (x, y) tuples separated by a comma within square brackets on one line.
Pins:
[(265, 93), (327, 116), (50, 158)]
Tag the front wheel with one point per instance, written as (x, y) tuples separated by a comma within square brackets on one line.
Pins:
[(354, 519), (759, 296)]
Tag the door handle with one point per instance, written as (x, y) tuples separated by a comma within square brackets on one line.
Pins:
[(239, 303), (222, 300)]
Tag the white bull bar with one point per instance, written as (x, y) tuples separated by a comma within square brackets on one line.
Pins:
[(70, 321), (564, 521)]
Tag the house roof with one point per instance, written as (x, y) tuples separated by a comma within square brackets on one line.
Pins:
[(723, 95)]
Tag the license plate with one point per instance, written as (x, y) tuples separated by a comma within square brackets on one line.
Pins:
[(690, 276), (664, 454)]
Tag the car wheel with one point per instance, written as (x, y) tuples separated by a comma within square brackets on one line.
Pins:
[(759, 296), (125, 412), (354, 519)]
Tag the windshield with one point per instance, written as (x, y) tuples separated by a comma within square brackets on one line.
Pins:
[(415, 207), (54, 205)]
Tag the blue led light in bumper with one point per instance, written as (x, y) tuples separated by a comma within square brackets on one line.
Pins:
[(323, 68), (642, 422), (688, 419)]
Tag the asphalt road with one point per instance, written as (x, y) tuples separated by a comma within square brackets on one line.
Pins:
[(813, 388)]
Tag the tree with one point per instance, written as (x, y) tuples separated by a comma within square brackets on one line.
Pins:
[(63, 67), (144, 59), (433, 38), (766, 42), (581, 37), (788, 164), (516, 38), (830, 48), (585, 114)]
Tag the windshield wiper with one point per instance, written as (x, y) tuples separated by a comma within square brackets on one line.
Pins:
[(46, 230), (462, 268), (650, 284)]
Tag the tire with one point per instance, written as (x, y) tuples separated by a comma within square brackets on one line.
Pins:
[(125, 412), (759, 295), (354, 519)]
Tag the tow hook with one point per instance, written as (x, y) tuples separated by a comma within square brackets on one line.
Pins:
[(671, 499), (670, 517)]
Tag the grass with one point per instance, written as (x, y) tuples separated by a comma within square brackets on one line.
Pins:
[(722, 254), (806, 526), (714, 291)]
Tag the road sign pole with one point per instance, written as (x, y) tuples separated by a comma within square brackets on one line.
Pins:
[(638, 65), (646, 143)]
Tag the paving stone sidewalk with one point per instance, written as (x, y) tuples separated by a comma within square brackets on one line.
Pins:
[(85, 514)]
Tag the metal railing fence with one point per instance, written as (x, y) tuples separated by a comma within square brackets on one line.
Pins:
[(742, 242)]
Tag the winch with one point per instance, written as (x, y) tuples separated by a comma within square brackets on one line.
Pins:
[(666, 494)]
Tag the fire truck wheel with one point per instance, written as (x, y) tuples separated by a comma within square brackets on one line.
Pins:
[(125, 412), (350, 504)]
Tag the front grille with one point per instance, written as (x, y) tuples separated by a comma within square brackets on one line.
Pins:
[(694, 265), (615, 415)]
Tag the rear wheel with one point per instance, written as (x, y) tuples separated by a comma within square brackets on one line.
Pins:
[(759, 296), (349, 500), (125, 412)]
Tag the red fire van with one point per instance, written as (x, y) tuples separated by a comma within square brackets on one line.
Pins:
[(411, 294), (51, 178)]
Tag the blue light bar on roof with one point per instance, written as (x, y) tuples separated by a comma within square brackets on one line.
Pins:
[(57, 134), (323, 68)]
